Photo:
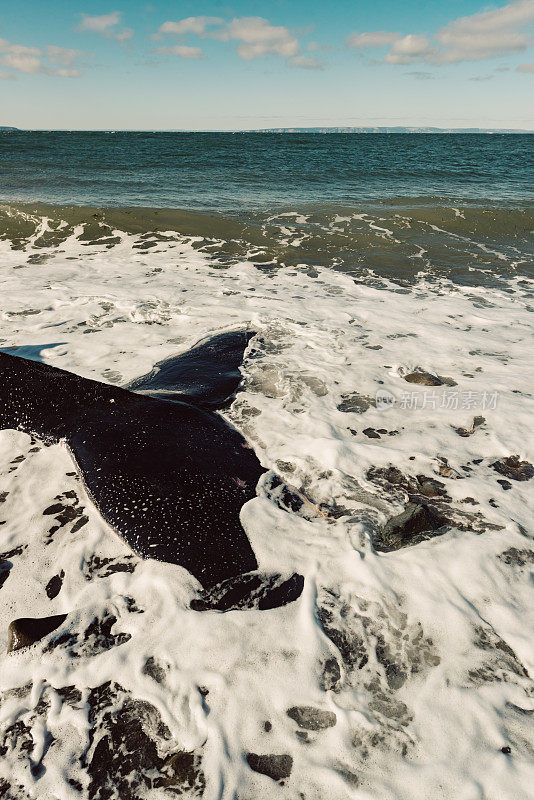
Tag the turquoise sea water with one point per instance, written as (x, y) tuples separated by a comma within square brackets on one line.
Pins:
[(397, 205), (228, 172)]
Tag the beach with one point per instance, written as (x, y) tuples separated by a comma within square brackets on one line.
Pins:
[(388, 383)]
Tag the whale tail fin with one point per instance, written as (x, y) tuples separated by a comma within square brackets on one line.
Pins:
[(207, 375), (169, 477)]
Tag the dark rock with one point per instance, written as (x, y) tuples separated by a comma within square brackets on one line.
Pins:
[(10, 792), (349, 643), (388, 477), (407, 528), (17, 737), (349, 776), (517, 558), (6, 563), (514, 469), (288, 498), (285, 466), (331, 677), (276, 767), (506, 750), (154, 670), (54, 509), (267, 726), (70, 695), (504, 483), (430, 487), (469, 431), (185, 775), (503, 656), (250, 590), (132, 606), (66, 510), (395, 677), (355, 403), (311, 718), (381, 649), (429, 508), (389, 707), (463, 432), (53, 587), (400, 486), (126, 762), (83, 520), (26, 631), (423, 379), (95, 639), (371, 433), (96, 567)]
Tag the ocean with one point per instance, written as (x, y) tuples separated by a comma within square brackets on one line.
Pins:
[(398, 204), (388, 282)]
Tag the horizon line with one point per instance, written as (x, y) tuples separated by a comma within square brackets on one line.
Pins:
[(320, 129)]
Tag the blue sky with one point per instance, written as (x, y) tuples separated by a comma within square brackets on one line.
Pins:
[(212, 65)]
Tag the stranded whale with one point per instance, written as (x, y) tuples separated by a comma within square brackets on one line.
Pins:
[(165, 472)]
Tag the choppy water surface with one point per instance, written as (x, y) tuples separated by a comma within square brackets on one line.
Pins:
[(398, 205), (228, 172)]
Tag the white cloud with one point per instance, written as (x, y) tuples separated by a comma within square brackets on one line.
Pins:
[(409, 49), (124, 35), (19, 57), (196, 25), (305, 62), (373, 39), (487, 34), (32, 60), (6, 76), (61, 55), (525, 68), (255, 37), (180, 50), (105, 25), (314, 47), (101, 24), (64, 73), (473, 38)]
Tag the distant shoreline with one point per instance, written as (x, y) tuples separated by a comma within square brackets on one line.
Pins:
[(319, 130)]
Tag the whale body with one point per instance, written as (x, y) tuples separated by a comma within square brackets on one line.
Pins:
[(168, 474)]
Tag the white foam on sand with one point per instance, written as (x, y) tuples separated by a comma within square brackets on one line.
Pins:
[(451, 616)]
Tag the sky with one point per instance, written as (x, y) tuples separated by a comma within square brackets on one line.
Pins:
[(209, 65)]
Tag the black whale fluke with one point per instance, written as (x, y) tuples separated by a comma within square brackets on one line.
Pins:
[(207, 375), (169, 477)]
